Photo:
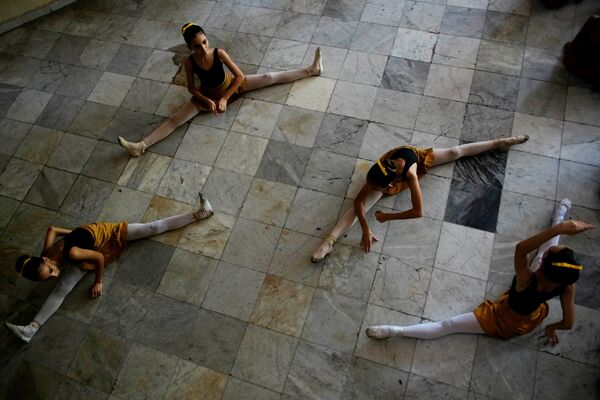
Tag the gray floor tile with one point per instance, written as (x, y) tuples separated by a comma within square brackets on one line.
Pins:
[(461, 21), (60, 112), (504, 27), (129, 60), (50, 188), (494, 90), (81, 203)]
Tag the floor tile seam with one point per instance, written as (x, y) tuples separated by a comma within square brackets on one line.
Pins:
[(268, 263), (567, 357)]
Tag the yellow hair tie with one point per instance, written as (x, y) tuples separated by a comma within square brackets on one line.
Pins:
[(186, 26), (24, 264), (567, 265), (382, 168)]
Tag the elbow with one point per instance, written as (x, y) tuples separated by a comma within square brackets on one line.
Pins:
[(417, 213), (568, 325), (357, 203), (520, 250)]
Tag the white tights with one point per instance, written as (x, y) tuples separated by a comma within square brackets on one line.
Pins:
[(72, 274)]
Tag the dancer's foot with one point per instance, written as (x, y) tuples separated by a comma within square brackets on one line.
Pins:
[(316, 67), (561, 210), (323, 250), (135, 149), (23, 332), (205, 210), (506, 143), (380, 332)]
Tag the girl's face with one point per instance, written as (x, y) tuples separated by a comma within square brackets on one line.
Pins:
[(200, 44), (48, 269)]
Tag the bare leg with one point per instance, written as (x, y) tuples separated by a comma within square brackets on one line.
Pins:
[(187, 112), (444, 156), (258, 81), (342, 225), (463, 323), (560, 212)]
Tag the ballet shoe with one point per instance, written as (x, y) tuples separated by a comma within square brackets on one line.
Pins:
[(511, 141), (316, 68), (205, 210), (135, 149), (320, 255), (563, 208), (378, 332), (23, 332)]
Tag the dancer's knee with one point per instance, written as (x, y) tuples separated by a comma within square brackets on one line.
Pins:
[(455, 152), (268, 78)]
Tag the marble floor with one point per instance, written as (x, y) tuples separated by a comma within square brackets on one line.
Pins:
[(231, 308)]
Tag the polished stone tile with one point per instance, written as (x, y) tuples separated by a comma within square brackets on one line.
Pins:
[(145, 371), (60, 112), (449, 82), (452, 294), (265, 358), (201, 144), (334, 320), (145, 95), (397, 352), (208, 237), (413, 241), (67, 49), (268, 202), (251, 244), (521, 216), (464, 250), (285, 54), (19, 70), (499, 57), (283, 162), (131, 125), (494, 90), (72, 153), (240, 390), (373, 38), (313, 93), (257, 118), (129, 60), (159, 67), (98, 54), (50, 188), (317, 373), (503, 27), (434, 190), (111, 89), (226, 190), (334, 32), (379, 138), (183, 180), (296, 26), (28, 105), (241, 153), (511, 6), (7, 210), (448, 360), (298, 126), (282, 305), (342, 135), (8, 94), (187, 277), (93, 119), (548, 33), (144, 173), (190, 379), (27, 227), (144, 263), (388, 102), (456, 51), (485, 123), (558, 378), (313, 213), (353, 235), (405, 75), (414, 45), (364, 68), (422, 16), (352, 99), (441, 117), (544, 64), (579, 143), (468, 201), (460, 21), (125, 204), (387, 12), (420, 388), (99, 360), (39, 144), (531, 174), (367, 378), (347, 9), (70, 389), (544, 135), (249, 48), (540, 98), (292, 258), (106, 162), (79, 82), (86, 23), (18, 177), (579, 183), (581, 103), (328, 172)]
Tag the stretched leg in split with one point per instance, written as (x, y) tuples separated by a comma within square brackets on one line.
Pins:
[(444, 156), (463, 323)]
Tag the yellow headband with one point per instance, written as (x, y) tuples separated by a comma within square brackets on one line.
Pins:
[(567, 265), (186, 26), (24, 264), (383, 171)]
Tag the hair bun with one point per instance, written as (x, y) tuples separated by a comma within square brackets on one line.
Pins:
[(20, 263)]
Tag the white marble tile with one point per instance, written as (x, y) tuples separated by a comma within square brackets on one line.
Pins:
[(413, 240), (464, 250), (174, 99), (386, 12), (520, 7), (456, 51), (241, 153), (257, 118), (312, 93), (292, 258), (499, 57), (201, 144), (579, 182), (183, 180), (313, 213), (581, 143), (396, 108), (422, 16), (251, 244), (285, 54), (452, 294), (448, 359), (531, 174), (365, 68), (396, 352), (208, 237), (260, 21), (521, 216), (449, 82), (434, 190), (582, 106), (441, 117), (111, 89), (333, 59), (544, 134), (160, 66), (268, 202), (477, 4), (380, 138), (28, 105), (559, 378), (297, 126), (352, 99), (414, 45)]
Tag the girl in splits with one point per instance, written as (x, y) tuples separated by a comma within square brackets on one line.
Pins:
[(92, 247), (217, 87), (396, 170), (553, 272)]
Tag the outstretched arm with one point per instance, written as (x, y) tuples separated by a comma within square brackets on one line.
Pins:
[(238, 78), (94, 257), (416, 198), (530, 244), (567, 302), (51, 234)]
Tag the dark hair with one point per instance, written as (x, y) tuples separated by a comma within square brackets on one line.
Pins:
[(376, 175), (28, 267), (562, 267), (189, 32)]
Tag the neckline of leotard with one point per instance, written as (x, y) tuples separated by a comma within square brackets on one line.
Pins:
[(215, 57)]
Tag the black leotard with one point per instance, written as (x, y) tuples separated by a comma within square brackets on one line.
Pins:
[(529, 300), (212, 77), (79, 237), (408, 155)]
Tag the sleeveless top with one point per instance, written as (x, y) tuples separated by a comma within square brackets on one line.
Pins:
[(530, 299), (212, 77), (79, 237), (408, 155)]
